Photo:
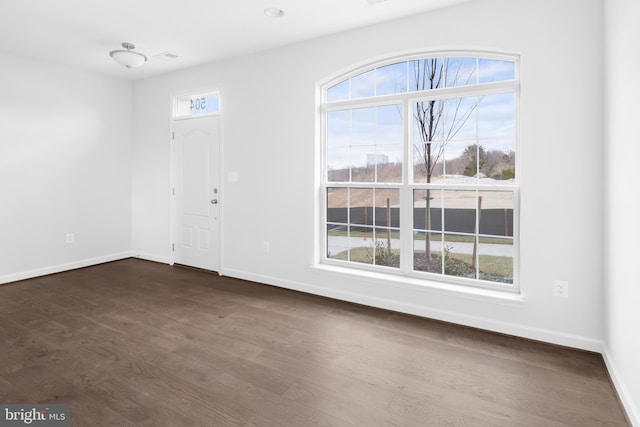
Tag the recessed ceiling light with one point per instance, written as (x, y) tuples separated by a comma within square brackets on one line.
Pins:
[(274, 12), (375, 1)]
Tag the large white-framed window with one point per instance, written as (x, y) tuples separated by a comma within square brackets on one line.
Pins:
[(419, 168)]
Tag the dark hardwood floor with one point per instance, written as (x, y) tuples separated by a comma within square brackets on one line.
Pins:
[(135, 343)]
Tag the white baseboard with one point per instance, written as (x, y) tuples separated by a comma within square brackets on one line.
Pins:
[(633, 413), (538, 334), (23, 275), (151, 257)]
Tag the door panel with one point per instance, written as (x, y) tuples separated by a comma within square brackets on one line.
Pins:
[(196, 200)]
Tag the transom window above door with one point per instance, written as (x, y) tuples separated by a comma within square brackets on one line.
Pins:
[(196, 105)]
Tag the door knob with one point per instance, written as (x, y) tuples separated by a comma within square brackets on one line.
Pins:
[(214, 201)]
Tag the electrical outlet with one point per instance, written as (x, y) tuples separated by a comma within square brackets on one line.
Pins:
[(561, 288), (265, 247), (70, 238)]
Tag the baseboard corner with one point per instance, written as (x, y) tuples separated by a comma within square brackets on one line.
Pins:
[(630, 409)]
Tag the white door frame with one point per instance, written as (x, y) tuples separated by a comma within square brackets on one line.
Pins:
[(173, 211)]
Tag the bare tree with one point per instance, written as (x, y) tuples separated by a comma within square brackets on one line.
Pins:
[(433, 128)]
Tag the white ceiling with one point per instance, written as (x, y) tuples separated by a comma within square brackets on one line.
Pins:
[(80, 33)]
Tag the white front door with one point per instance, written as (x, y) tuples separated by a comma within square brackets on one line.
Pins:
[(196, 192)]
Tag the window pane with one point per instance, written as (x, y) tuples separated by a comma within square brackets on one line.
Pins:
[(427, 211), (460, 71), (455, 161), (338, 92), (459, 120), (460, 211), (496, 259), (363, 126), (458, 256), (391, 79), (361, 169), (496, 214), (498, 159), (338, 141), (363, 85), (426, 74), (497, 117), (337, 242), (337, 199), (389, 121), (430, 219), (422, 261), (361, 206), (445, 124), (387, 207), (338, 160), (388, 170), (361, 244), (472, 158), (338, 128), (492, 70), (389, 137), (428, 140), (375, 135), (387, 247), (419, 205), (428, 162)]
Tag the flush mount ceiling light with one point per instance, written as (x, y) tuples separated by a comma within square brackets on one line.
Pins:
[(128, 58), (274, 12)]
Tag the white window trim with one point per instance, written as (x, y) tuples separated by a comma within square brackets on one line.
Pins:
[(405, 274)]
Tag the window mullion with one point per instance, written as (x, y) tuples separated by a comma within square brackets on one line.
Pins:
[(476, 261), (406, 196), (349, 222)]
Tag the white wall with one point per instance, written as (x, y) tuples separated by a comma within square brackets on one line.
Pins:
[(622, 199), (269, 139), (65, 162)]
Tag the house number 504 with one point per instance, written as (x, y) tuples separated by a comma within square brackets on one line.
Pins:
[(198, 104)]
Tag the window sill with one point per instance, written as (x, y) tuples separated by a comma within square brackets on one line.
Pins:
[(411, 283)]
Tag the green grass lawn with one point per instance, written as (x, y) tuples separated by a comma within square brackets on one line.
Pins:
[(491, 265), (494, 265)]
